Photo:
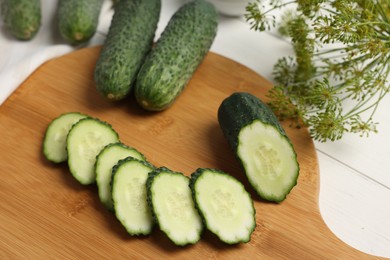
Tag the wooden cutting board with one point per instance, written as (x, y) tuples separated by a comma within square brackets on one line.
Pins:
[(46, 213)]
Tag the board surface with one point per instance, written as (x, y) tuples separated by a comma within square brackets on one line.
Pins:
[(45, 212)]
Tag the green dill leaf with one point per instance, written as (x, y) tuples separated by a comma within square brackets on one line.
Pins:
[(340, 70)]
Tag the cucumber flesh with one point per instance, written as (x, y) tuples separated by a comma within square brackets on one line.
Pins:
[(268, 159), (84, 142), (225, 206), (54, 143), (172, 205), (105, 161), (129, 195)]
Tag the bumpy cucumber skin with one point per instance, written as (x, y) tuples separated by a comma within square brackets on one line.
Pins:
[(129, 40), (198, 174), (21, 17), (125, 147), (128, 159), (179, 51), (241, 109), (78, 19)]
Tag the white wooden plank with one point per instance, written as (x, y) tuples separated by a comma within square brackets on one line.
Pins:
[(368, 155), (355, 207)]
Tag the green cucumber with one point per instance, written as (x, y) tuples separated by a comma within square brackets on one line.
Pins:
[(179, 51), (224, 205), (21, 17), (169, 197), (129, 39), (85, 140), (54, 142), (261, 145), (78, 19), (129, 195), (105, 161)]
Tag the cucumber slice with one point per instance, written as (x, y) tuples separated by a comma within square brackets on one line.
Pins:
[(54, 142), (129, 195), (261, 145), (84, 142), (105, 161), (224, 205), (169, 197)]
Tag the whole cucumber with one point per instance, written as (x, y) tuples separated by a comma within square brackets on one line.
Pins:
[(178, 52), (78, 19), (130, 38), (21, 17)]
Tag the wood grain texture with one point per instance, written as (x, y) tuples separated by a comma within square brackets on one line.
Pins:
[(45, 212)]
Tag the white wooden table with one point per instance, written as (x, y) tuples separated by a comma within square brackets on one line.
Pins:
[(354, 197)]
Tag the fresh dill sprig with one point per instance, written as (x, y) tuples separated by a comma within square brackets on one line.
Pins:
[(341, 68)]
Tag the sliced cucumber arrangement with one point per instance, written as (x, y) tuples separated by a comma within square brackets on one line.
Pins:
[(85, 140), (141, 195), (261, 145), (225, 206), (54, 143), (105, 161), (169, 197), (182, 207), (129, 195)]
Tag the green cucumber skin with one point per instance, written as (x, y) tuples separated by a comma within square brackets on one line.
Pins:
[(119, 144), (78, 19), (129, 40), (126, 160), (179, 51), (242, 109), (21, 17)]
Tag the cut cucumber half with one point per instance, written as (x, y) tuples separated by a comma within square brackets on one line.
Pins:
[(224, 205), (129, 195), (54, 142), (261, 145), (269, 161), (169, 197), (105, 161), (84, 142)]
